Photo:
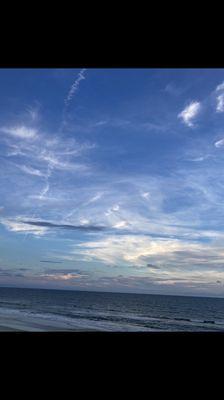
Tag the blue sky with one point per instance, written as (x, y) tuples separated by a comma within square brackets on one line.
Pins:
[(111, 179)]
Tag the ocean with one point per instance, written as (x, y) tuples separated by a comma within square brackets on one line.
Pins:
[(41, 309)]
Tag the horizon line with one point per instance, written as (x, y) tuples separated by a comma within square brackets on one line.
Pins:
[(112, 292)]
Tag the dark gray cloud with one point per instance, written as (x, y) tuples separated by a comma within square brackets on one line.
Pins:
[(51, 261), (5, 273), (153, 266), (85, 228), (195, 254), (10, 273)]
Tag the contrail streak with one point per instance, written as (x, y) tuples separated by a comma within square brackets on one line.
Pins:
[(73, 89), (75, 86), (43, 192)]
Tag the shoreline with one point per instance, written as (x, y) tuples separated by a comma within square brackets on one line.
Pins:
[(37, 324)]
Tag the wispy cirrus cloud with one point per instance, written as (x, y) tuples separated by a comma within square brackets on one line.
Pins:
[(44, 157), (34, 112), (48, 150), (189, 113), (55, 162), (31, 171), (20, 132), (173, 89)]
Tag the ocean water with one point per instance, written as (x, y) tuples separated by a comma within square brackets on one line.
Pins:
[(113, 311)]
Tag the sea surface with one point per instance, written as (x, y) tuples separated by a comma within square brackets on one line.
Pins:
[(112, 311)]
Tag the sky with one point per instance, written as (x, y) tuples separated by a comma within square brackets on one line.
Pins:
[(112, 180)]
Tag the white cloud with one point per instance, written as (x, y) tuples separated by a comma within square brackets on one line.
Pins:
[(190, 112), (139, 250), (115, 208), (120, 224), (220, 103), (63, 277), (20, 227), (175, 260), (127, 249), (21, 132), (220, 98), (84, 221), (145, 195), (100, 123), (198, 159), (219, 143), (220, 87)]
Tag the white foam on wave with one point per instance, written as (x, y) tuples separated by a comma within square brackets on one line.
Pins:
[(26, 319)]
